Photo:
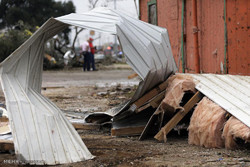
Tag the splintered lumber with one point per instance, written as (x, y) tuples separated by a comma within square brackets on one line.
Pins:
[(154, 102), (127, 131), (6, 145), (155, 91), (132, 76), (206, 125), (4, 119), (157, 99), (161, 135), (234, 129), (86, 126)]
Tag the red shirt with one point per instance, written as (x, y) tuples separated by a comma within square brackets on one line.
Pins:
[(92, 49)]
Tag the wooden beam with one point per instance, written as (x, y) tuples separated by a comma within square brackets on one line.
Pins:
[(144, 107), (161, 135), (154, 102), (87, 126), (6, 145), (132, 76), (127, 131), (4, 119), (153, 92)]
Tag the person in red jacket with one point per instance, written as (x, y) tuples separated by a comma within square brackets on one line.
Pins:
[(92, 54)]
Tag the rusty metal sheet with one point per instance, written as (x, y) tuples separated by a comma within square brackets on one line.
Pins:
[(211, 33), (238, 28)]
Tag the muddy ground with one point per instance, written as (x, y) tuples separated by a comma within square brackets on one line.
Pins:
[(75, 91)]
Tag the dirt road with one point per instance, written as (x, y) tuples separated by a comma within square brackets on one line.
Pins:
[(77, 91)]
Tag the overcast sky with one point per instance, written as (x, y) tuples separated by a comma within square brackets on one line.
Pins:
[(127, 6)]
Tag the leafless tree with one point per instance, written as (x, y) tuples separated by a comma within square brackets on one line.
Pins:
[(92, 5), (77, 32)]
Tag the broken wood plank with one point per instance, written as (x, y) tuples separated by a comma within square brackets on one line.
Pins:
[(127, 131), (154, 102), (86, 126), (132, 76), (6, 145), (4, 119), (155, 91), (161, 135), (144, 107)]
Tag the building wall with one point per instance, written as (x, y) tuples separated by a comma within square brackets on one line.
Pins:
[(212, 38), (211, 33), (170, 20), (238, 30)]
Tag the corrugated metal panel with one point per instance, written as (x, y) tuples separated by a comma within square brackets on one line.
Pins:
[(238, 28), (231, 92), (41, 133), (146, 47)]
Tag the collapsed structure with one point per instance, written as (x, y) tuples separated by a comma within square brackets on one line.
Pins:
[(41, 133), (35, 119)]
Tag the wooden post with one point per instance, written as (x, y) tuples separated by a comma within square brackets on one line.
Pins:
[(152, 93), (161, 135), (154, 102)]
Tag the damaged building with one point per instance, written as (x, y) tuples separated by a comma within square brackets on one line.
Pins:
[(217, 106)]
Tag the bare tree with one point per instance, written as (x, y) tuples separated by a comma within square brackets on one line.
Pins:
[(77, 32), (92, 5)]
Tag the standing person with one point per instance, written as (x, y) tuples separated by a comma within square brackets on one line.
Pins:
[(86, 55), (92, 54)]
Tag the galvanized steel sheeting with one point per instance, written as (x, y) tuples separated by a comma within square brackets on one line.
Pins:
[(146, 47), (231, 92), (41, 133)]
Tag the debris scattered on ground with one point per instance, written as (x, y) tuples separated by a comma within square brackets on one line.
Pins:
[(97, 132)]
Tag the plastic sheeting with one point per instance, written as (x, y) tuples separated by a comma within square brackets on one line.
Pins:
[(41, 133)]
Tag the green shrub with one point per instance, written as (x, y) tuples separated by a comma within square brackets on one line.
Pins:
[(11, 40)]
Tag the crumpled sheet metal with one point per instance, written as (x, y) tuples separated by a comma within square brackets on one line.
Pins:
[(146, 47), (41, 133)]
